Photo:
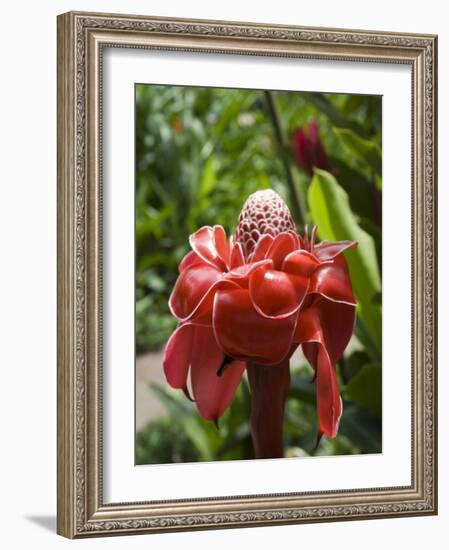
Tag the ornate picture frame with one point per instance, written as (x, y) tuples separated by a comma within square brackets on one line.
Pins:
[(82, 38)]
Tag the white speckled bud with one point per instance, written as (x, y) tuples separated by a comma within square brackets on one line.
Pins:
[(264, 212)]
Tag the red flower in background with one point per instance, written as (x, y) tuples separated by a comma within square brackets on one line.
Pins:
[(308, 148), (253, 301)]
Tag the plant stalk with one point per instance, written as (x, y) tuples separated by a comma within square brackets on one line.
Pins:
[(296, 202), (269, 386)]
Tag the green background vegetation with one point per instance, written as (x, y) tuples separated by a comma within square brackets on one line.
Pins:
[(199, 153)]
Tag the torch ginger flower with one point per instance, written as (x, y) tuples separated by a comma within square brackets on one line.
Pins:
[(308, 149), (252, 300)]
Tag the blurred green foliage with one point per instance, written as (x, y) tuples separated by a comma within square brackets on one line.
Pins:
[(183, 436), (199, 153)]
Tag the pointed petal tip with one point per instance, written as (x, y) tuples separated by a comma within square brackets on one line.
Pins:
[(221, 244), (213, 394), (186, 392), (177, 356), (319, 436), (194, 286), (237, 258), (204, 243)]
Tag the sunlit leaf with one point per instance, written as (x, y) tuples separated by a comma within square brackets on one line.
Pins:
[(330, 210)]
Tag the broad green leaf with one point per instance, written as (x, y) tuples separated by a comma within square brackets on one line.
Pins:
[(365, 389), (362, 428), (330, 210), (367, 151), (184, 412), (376, 233)]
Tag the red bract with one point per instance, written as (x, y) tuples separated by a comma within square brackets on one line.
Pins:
[(308, 148), (240, 303)]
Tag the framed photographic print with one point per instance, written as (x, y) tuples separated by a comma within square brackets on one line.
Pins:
[(246, 274)]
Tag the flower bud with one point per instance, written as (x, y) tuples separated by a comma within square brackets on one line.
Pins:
[(264, 213)]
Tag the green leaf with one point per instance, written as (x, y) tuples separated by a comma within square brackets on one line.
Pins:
[(330, 210), (302, 390), (184, 412), (365, 339), (365, 150), (376, 233), (208, 178), (362, 428), (336, 117), (354, 363), (155, 282), (163, 440), (365, 389)]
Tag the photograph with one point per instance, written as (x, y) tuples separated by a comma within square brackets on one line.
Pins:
[(239, 343), (258, 274), (232, 229)]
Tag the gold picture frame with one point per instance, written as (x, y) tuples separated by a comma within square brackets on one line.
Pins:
[(81, 39)]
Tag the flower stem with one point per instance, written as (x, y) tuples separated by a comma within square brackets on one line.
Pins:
[(269, 387), (296, 202)]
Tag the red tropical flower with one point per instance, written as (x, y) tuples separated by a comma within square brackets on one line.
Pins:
[(253, 300), (308, 149)]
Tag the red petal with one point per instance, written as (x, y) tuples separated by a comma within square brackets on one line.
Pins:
[(313, 237), (313, 332), (244, 334), (300, 262), (203, 313), (328, 250), (283, 244), (329, 322), (337, 322), (262, 247), (189, 260), (177, 356), (213, 393), (221, 244), (332, 281), (237, 258), (275, 294), (306, 237), (301, 149), (308, 328), (203, 243), (329, 404), (296, 238), (191, 288), (241, 274)]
